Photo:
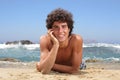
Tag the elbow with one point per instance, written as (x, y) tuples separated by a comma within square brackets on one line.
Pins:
[(38, 67), (42, 69), (45, 71), (74, 70)]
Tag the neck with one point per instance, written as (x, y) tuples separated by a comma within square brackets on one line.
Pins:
[(64, 43)]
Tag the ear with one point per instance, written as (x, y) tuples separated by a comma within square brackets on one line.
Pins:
[(69, 30)]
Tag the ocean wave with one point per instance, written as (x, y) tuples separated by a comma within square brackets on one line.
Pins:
[(101, 45), (31, 52), (33, 46), (100, 59), (29, 46)]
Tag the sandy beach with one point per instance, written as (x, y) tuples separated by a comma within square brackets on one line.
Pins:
[(94, 71)]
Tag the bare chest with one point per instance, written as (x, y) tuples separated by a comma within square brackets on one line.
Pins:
[(64, 56)]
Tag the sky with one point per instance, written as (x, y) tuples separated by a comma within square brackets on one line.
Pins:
[(94, 20)]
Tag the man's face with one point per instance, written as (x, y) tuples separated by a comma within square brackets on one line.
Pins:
[(60, 30)]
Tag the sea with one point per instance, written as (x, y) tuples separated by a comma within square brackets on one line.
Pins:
[(106, 52)]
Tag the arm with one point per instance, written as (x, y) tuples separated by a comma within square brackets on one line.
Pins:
[(76, 58), (47, 57)]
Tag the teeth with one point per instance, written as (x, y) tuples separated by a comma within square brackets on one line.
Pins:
[(61, 35)]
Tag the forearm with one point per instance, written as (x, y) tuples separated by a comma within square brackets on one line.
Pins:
[(65, 68), (49, 61)]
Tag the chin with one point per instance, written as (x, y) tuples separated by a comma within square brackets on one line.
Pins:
[(61, 40)]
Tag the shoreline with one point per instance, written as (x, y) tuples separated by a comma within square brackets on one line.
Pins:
[(27, 71), (32, 64)]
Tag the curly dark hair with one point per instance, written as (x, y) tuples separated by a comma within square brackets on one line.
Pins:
[(60, 15)]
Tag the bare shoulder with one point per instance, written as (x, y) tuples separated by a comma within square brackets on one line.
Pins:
[(77, 42), (44, 39), (76, 38)]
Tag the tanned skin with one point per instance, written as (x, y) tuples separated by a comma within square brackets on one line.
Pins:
[(60, 51)]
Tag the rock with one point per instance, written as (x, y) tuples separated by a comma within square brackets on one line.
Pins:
[(26, 42), (14, 42), (9, 59), (19, 42), (92, 60)]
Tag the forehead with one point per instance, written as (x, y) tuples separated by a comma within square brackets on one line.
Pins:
[(59, 23)]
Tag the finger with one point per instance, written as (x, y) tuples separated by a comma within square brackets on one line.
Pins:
[(49, 31)]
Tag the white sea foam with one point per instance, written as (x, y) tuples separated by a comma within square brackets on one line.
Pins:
[(31, 52), (34, 46), (117, 46), (101, 45), (113, 59), (3, 46), (29, 47)]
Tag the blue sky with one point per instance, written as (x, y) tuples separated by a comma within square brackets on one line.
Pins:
[(97, 20)]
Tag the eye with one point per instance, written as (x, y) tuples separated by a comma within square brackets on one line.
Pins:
[(55, 27), (64, 26)]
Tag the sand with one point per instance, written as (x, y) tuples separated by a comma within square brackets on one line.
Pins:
[(94, 71)]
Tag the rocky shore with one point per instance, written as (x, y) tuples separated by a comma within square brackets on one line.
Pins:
[(23, 42)]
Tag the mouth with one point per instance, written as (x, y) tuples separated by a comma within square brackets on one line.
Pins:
[(61, 36)]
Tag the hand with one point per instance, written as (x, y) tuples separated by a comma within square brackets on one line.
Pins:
[(53, 38)]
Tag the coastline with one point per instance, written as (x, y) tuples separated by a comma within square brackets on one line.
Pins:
[(27, 71)]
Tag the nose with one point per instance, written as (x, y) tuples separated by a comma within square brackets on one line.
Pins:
[(60, 29)]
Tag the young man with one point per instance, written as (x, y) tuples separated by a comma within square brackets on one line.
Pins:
[(60, 49)]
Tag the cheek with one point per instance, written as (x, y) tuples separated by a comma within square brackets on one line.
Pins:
[(67, 31), (54, 33)]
